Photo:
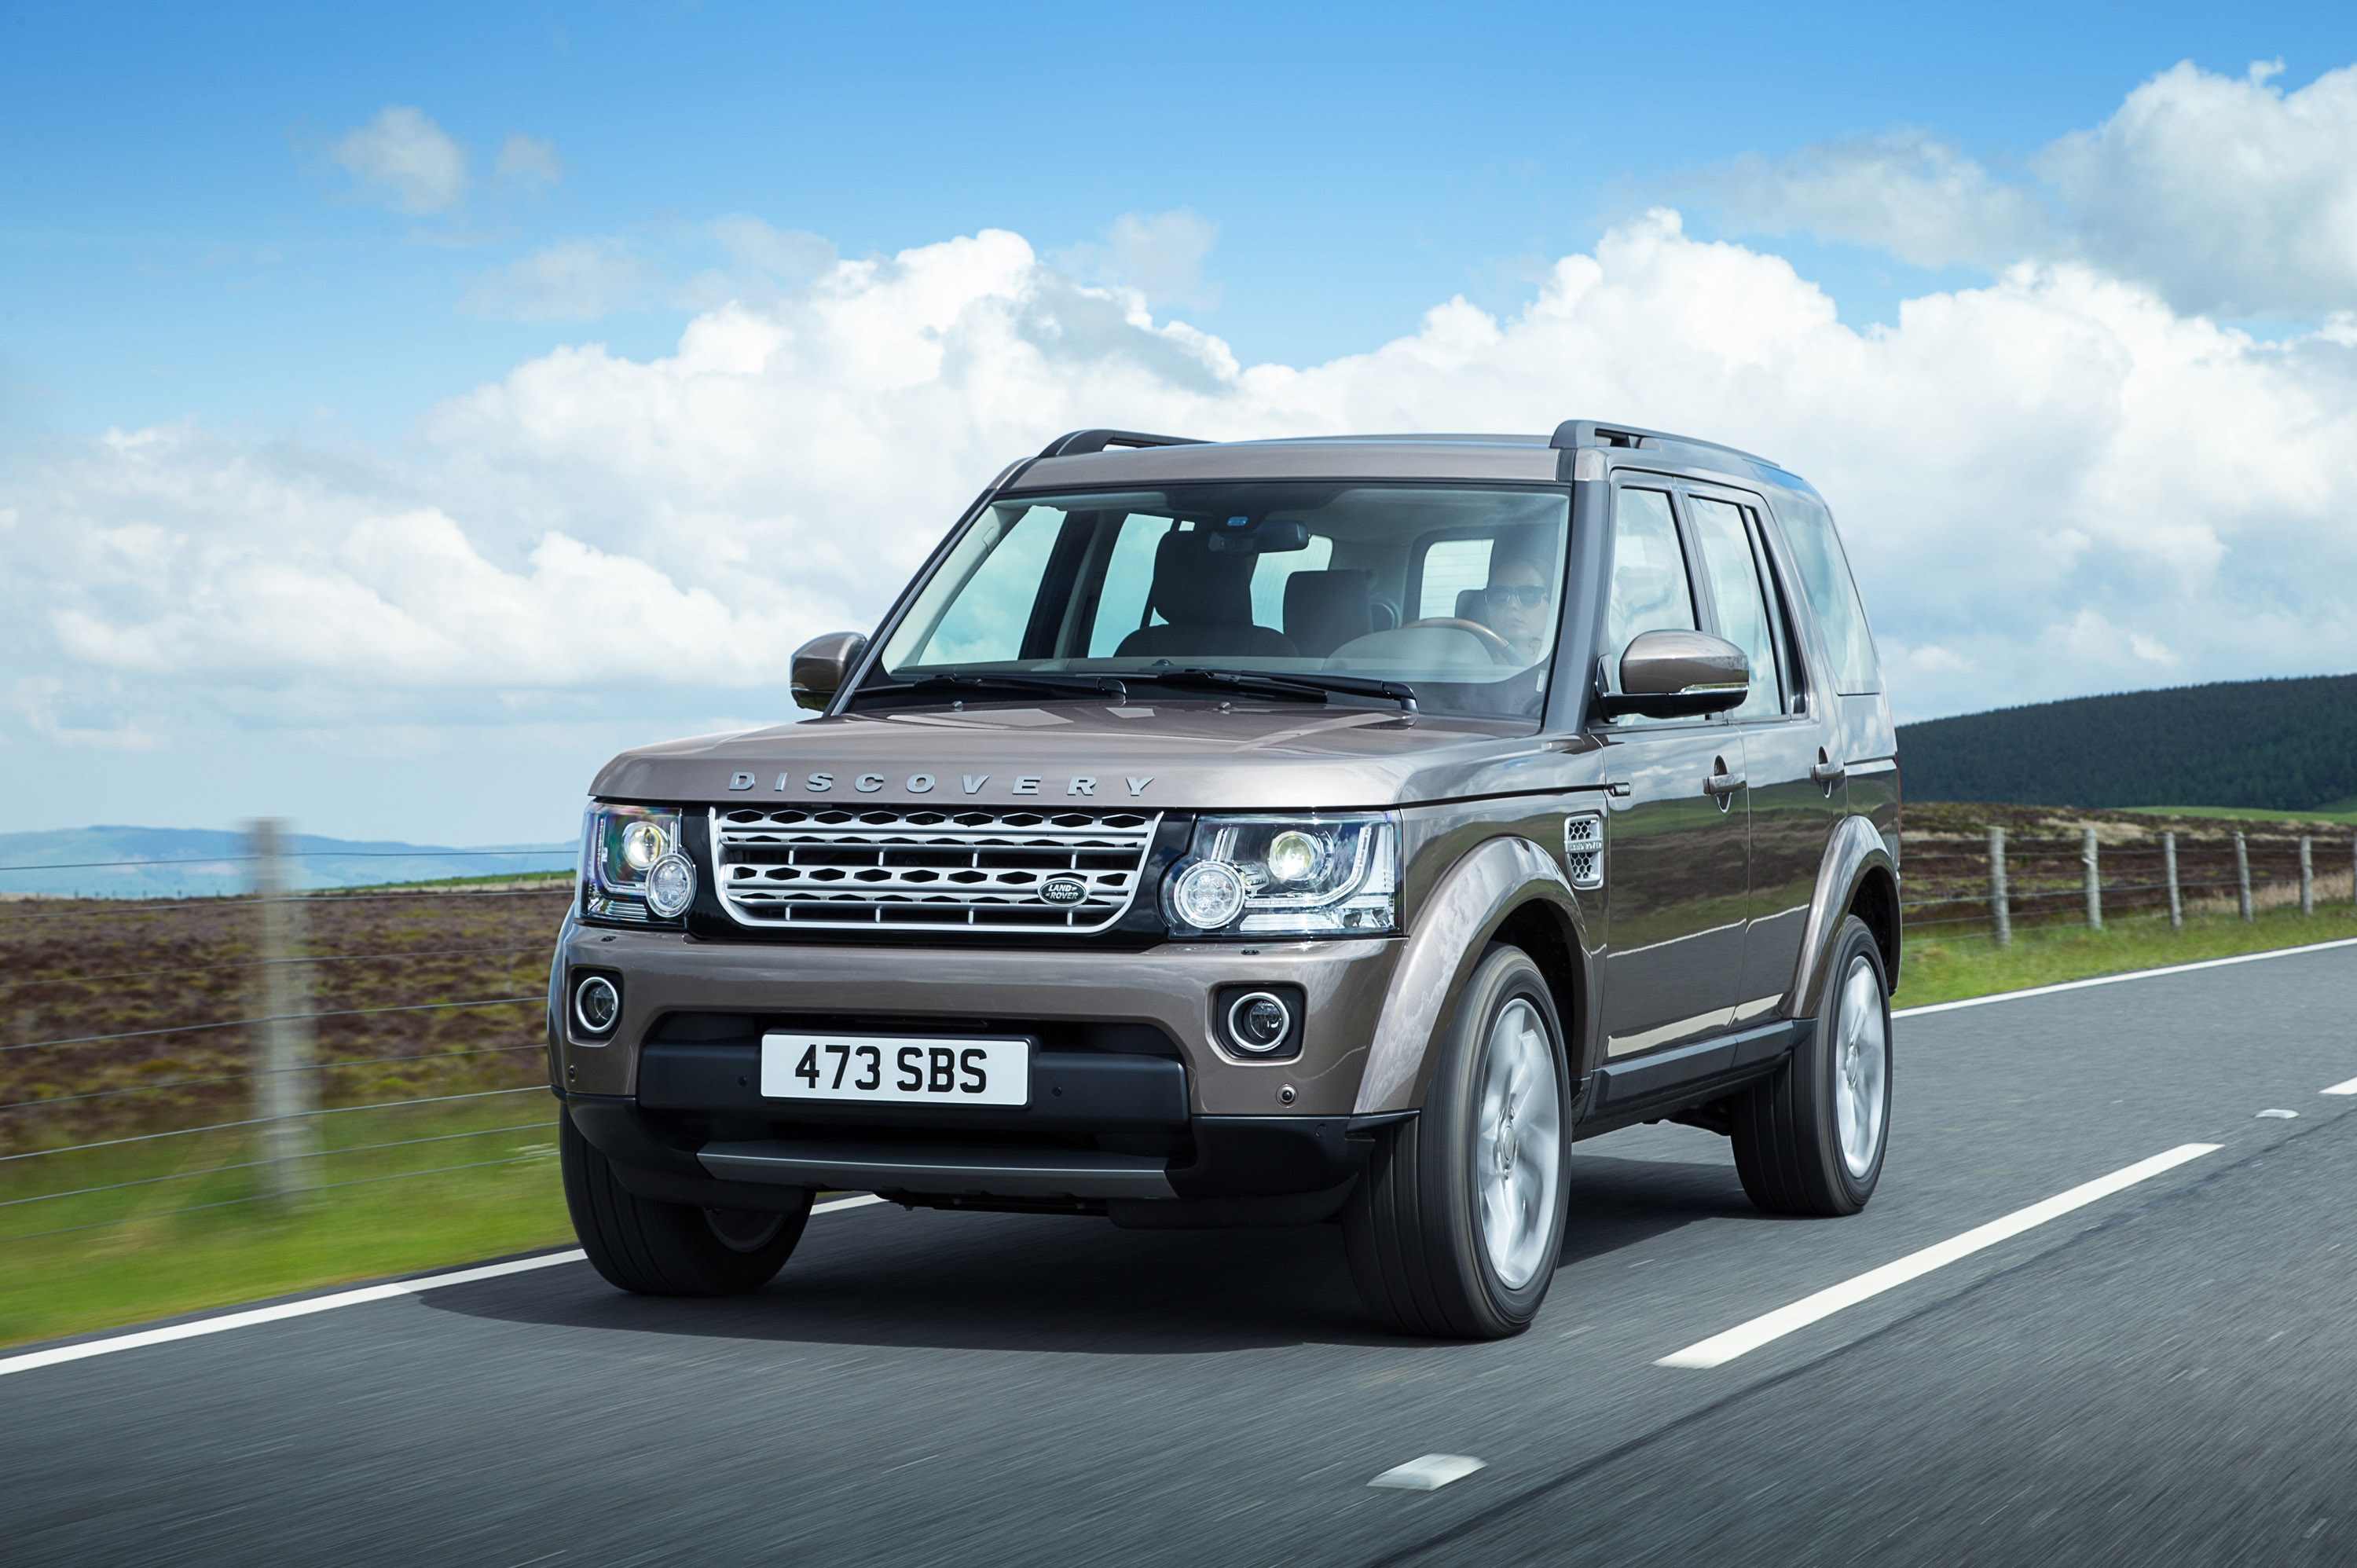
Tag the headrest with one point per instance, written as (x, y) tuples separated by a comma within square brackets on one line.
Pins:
[(1324, 611), (1192, 587), (1473, 604)]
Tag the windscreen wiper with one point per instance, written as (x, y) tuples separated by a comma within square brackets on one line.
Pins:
[(1305, 686), (1062, 685)]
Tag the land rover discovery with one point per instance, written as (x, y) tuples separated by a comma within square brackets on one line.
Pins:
[(1263, 833)]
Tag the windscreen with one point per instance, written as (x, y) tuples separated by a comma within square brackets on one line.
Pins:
[(1455, 593)]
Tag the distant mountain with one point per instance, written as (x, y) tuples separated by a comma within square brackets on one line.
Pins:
[(2283, 746), (149, 863)]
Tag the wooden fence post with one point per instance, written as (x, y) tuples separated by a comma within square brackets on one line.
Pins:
[(2242, 874), (2307, 876), (286, 1080), (2087, 856), (2169, 863), (2000, 910)]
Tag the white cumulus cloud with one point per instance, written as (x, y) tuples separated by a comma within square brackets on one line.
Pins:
[(2054, 484), (2228, 195), (405, 160)]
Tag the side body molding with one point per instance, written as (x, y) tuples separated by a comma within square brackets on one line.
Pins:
[(1854, 851), (1453, 926)]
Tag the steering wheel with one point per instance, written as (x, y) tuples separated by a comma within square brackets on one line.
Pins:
[(1501, 652)]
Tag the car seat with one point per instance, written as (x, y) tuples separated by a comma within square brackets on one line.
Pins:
[(1324, 611), (1206, 597)]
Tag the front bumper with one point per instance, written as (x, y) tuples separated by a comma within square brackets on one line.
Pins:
[(1160, 1002), (1194, 1170)]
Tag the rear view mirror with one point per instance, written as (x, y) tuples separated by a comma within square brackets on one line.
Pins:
[(1270, 536), (821, 666), (1679, 675)]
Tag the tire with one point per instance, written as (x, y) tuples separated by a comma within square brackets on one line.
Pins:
[(1454, 1232), (669, 1249), (1812, 1139)]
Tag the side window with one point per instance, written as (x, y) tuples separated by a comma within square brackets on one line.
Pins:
[(1650, 591), (1733, 572), (1825, 584), (1450, 566)]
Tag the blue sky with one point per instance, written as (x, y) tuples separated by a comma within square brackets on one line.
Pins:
[(178, 242), (330, 337)]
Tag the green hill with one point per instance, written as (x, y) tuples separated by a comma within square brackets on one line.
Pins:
[(2285, 745)]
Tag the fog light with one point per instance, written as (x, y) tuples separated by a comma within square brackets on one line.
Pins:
[(670, 886), (1258, 1022), (596, 1004), (1209, 894)]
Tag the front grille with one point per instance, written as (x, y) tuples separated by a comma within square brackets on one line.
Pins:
[(836, 869)]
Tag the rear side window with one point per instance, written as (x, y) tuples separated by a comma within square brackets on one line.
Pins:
[(1450, 566), (1825, 584)]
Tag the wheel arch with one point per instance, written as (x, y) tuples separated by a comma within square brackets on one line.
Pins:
[(1856, 876), (1507, 888)]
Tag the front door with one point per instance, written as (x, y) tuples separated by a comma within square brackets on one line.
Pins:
[(1677, 858), (1784, 743)]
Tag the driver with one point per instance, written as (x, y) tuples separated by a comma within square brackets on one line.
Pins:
[(1519, 604)]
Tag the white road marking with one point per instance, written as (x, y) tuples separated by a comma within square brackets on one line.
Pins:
[(2117, 979), (284, 1310), (1430, 1473), (1721, 1348), (2348, 1088), (2276, 1115)]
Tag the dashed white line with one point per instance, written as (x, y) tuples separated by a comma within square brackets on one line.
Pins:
[(284, 1310), (1430, 1473), (2348, 1088), (1721, 1348)]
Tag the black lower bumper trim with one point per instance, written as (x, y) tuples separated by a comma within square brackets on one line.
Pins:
[(956, 1168)]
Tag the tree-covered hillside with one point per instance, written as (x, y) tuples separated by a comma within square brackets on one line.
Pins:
[(2288, 746)]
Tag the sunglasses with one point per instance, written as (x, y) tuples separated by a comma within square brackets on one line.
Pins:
[(1529, 598)]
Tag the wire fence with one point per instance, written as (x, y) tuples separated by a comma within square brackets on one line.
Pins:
[(170, 1057), (1998, 882)]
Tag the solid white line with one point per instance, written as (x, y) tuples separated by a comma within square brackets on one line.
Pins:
[(248, 1318), (2348, 1088), (1720, 1348), (2117, 979), (284, 1310)]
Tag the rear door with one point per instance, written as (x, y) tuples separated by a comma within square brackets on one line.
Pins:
[(1677, 855)]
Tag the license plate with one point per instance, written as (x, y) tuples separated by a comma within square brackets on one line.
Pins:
[(891, 1069)]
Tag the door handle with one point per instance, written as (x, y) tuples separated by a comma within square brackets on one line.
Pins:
[(1827, 773), (1722, 784)]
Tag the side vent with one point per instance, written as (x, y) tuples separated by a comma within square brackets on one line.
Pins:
[(1583, 849)]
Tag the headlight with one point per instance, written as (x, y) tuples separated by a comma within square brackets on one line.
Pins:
[(633, 865), (1301, 876)]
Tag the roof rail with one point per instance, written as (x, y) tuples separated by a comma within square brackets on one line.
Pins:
[(1081, 442), (1573, 434)]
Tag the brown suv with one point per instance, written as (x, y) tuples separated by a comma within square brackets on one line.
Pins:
[(1263, 833)]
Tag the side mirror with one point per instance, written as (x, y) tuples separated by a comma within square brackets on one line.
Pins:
[(1679, 675), (821, 666)]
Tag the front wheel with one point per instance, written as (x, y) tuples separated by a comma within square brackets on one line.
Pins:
[(1455, 1229), (1812, 1139), (669, 1249)]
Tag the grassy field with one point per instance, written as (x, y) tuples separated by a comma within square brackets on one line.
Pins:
[(2336, 814), (171, 1232), (1951, 968)]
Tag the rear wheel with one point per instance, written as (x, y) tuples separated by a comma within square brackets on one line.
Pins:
[(670, 1249), (1812, 1139), (1455, 1229)]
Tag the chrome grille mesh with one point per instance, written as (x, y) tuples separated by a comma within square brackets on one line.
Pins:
[(839, 867)]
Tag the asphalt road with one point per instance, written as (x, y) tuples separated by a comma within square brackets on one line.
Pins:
[(2166, 1374)]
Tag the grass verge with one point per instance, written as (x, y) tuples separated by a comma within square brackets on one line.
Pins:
[(73, 1261), (1948, 969)]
